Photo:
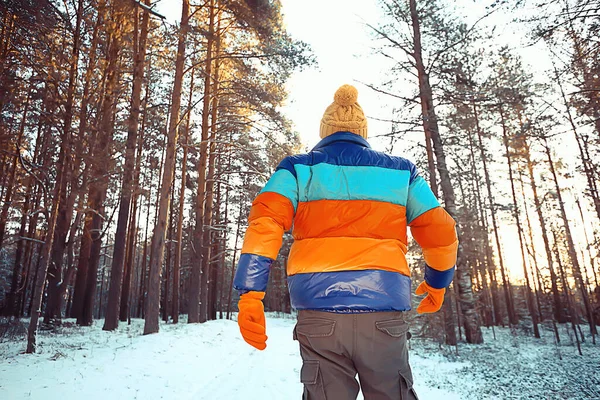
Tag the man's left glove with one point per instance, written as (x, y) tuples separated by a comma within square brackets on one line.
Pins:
[(251, 319), (433, 301)]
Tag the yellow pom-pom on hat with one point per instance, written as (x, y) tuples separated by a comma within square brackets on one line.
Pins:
[(346, 95), (344, 114)]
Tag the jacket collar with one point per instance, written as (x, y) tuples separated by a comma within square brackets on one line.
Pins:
[(342, 137)]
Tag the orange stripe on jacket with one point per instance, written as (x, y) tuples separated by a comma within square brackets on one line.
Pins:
[(270, 216), (336, 254), (350, 218), (435, 232)]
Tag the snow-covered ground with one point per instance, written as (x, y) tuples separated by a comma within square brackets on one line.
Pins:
[(211, 361)]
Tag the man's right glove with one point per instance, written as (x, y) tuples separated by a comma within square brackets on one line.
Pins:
[(251, 319), (433, 301)]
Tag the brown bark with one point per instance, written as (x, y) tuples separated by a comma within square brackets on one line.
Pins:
[(208, 272), (492, 314), (429, 125), (588, 167), (512, 318), (15, 285), (81, 275), (145, 260), (129, 254), (100, 163), (427, 111), (131, 240), (223, 246), (160, 229), (40, 278), (179, 234), (557, 306), (588, 246), (539, 288), (571, 245), (11, 184), (516, 215), (82, 270), (574, 318), (233, 259), (70, 271), (66, 203), (165, 298), (116, 276), (45, 253), (41, 156), (216, 262), (199, 277)]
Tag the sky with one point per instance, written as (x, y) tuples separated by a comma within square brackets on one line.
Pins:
[(342, 43)]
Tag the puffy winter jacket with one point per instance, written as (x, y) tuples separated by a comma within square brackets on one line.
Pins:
[(349, 206)]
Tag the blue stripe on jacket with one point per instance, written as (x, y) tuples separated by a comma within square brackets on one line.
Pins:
[(420, 199), (345, 148), (283, 183), (438, 279), (340, 182), (252, 273), (350, 291)]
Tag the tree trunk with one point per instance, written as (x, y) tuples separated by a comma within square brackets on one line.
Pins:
[(116, 275), (572, 312), (512, 318), (207, 264), (224, 243), (40, 278), (199, 277), (11, 184), (571, 245), (528, 295), (558, 309), (100, 164), (142, 292), (179, 235), (235, 249), (15, 285), (429, 124), (587, 167), (65, 203), (166, 305), (52, 216), (494, 316), (540, 288), (589, 244), (84, 251), (160, 229)]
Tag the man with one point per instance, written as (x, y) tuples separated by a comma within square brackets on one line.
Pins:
[(347, 272)]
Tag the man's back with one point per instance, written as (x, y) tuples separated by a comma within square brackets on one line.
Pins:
[(349, 207)]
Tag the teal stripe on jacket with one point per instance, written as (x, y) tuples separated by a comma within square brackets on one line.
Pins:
[(284, 183), (343, 182), (420, 199)]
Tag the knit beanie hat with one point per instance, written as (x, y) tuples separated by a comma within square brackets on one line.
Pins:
[(344, 114)]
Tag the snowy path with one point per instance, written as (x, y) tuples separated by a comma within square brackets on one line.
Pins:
[(211, 362), (207, 361)]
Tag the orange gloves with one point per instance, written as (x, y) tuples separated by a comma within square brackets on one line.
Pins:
[(433, 301), (251, 319)]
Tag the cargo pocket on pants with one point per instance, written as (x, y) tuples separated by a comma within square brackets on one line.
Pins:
[(407, 392), (397, 328), (310, 376)]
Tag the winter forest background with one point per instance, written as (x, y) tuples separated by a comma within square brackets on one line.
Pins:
[(132, 145)]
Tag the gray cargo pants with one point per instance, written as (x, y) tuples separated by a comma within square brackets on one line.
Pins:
[(335, 347)]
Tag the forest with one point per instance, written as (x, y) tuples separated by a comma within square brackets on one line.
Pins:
[(131, 148)]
